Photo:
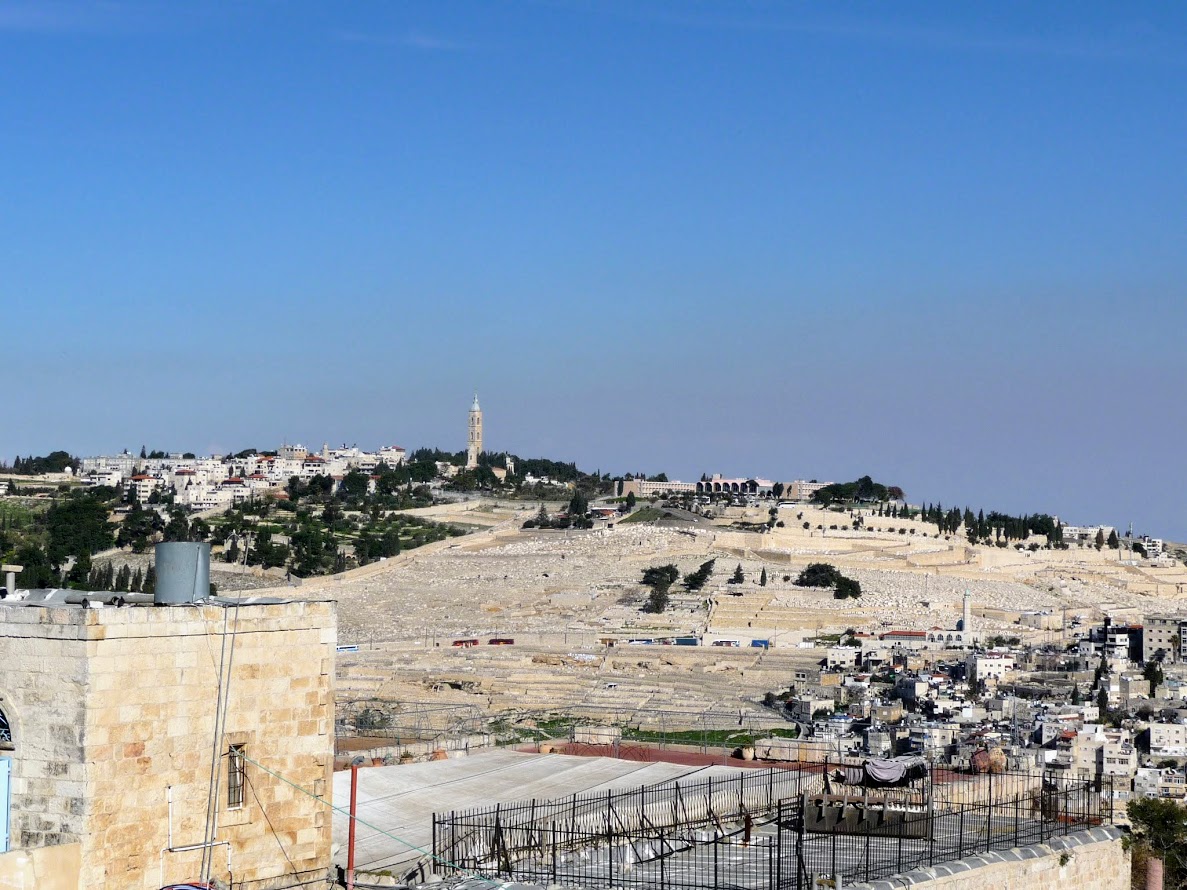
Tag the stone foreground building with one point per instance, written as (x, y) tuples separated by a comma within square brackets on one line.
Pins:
[(111, 713)]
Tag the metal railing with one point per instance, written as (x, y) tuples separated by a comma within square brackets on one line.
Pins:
[(762, 829)]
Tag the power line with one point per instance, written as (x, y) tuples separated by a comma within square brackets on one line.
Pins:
[(271, 828), (376, 828)]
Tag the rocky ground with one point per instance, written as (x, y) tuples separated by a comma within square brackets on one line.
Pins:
[(545, 582)]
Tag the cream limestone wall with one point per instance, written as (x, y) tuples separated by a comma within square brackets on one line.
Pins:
[(42, 677), (1086, 860), (143, 685), (48, 868)]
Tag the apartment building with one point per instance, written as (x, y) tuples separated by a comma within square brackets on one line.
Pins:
[(1168, 740), (1167, 782), (1165, 638)]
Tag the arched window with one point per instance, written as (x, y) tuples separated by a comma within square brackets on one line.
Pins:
[(5, 733)]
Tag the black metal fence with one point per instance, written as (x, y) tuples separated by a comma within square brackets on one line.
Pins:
[(862, 837), (771, 829)]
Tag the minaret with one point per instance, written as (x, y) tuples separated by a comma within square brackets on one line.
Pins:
[(474, 443), (966, 623)]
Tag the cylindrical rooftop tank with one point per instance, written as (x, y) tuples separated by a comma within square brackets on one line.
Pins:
[(183, 573)]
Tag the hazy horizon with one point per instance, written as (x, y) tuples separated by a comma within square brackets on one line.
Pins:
[(934, 244)]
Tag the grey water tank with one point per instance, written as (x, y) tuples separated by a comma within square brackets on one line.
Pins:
[(183, 573)]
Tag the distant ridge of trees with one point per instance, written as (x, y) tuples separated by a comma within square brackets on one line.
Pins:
[(983, 526), (863, 489), (54, 462)]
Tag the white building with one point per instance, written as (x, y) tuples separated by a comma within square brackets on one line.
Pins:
[(1168, 782), (1118, 755), (799, 490), (1168, 740), (843, 656), (108, 476), (1153, 547), (293, 452), (392, 455), (643, 488), (990, 668), (1086, 534), (142, 486), (1164, 637)]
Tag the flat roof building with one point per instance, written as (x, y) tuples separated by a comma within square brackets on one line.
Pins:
[(114, 716)]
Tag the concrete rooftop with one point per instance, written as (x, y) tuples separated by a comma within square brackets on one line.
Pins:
[(401, 800)]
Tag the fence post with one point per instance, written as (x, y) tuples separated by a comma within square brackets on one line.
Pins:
[(532, 839), (960, 830), (495, 837), (1017, 803), (989, 815), (902, 829), (771, 864), (662, 857), (609, 838), (779, 829), (833, 835), (572, 818)]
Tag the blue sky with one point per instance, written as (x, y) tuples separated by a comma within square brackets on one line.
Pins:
[(942, 244)]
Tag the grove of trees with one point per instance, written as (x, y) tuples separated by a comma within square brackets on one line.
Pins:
[(822, 574), (863, 489)]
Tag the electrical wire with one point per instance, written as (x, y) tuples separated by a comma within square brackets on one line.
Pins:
[(343, 812), (215, 744), (222, 729), (271, 828), (222, 700)]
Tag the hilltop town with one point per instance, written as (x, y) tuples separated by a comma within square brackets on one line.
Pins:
[(479, 609)]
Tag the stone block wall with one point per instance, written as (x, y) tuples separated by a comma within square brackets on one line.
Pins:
[(1086, 860), (118, 708), (45, 868), (151, 716), (42, 693)]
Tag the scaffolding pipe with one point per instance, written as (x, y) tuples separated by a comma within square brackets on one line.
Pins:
[(354, 804)]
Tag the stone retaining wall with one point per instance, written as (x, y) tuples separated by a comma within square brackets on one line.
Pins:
[(1086, 860)]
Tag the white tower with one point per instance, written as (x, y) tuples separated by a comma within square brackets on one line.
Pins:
[(474, 442), (966, 623)]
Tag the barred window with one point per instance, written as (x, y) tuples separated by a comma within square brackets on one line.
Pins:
[(5, 733), (236, 764)]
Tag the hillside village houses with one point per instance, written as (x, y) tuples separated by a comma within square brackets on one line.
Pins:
[(209, 483), (950, 704)]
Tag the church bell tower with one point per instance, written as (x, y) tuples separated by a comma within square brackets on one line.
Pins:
[(474, 442)]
